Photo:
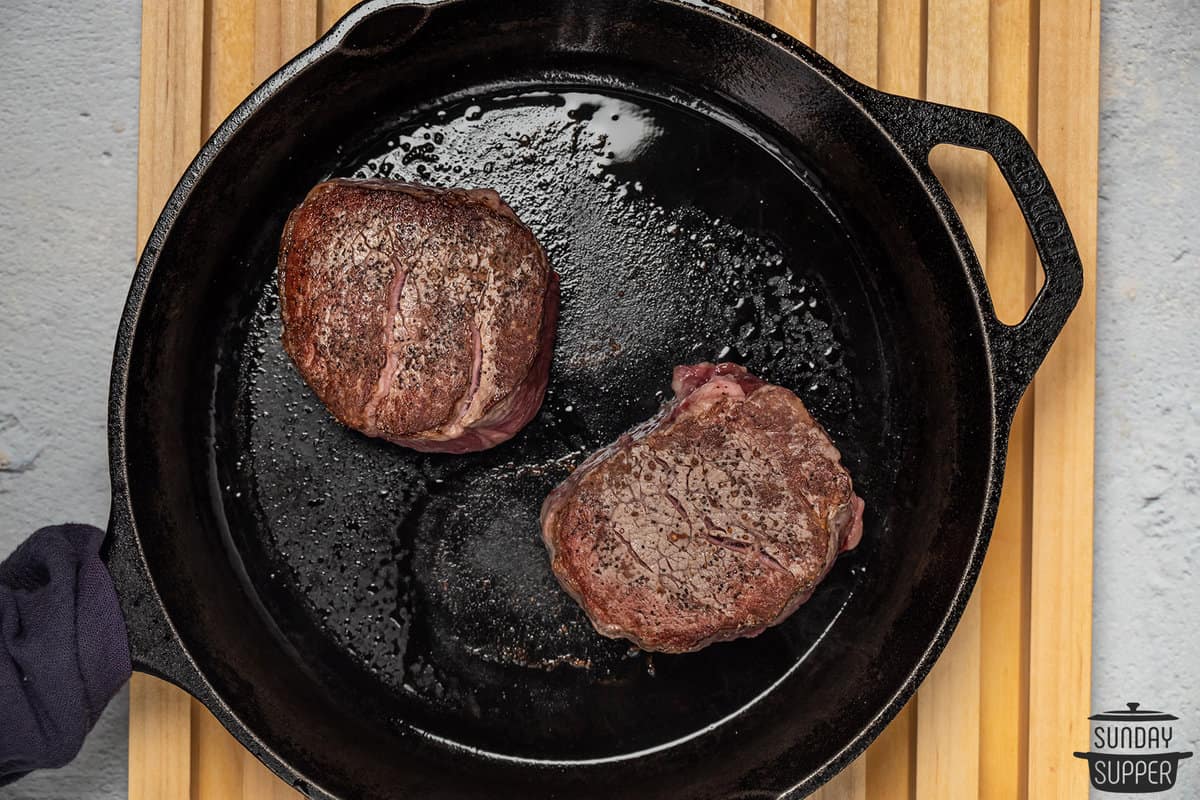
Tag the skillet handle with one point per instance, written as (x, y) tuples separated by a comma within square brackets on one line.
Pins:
[(154, 645), (1017, 350)]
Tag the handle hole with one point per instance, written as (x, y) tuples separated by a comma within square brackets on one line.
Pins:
[(994, 225)]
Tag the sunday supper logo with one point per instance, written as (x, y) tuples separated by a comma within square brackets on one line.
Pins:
[(1131, 751)]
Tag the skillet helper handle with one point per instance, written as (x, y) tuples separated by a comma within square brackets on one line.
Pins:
[(1018, 350), (154, 646)]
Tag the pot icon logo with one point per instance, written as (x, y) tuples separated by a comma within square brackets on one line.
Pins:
[(1131, 751)]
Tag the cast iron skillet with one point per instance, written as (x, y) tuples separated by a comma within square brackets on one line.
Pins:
[(373, 622)]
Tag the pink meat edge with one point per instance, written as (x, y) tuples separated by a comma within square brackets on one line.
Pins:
[(517, 410), (686, 383)]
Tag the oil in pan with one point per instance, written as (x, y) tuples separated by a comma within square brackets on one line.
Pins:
[(426, 572)]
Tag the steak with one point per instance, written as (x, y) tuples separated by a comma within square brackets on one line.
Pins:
[(712, 521), (424, 316)]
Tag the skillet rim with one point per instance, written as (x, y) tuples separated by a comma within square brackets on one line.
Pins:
[(155, 643)]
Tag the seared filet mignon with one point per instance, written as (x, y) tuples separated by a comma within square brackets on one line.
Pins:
[(712, 521), (420, 315)]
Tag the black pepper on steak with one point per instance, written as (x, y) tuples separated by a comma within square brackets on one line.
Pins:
[(421, 315), (710, 522)]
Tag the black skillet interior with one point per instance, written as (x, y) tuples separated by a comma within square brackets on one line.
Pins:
[(678, 239), (386, 621)]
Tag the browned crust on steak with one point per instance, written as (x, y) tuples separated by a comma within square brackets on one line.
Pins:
[(413, 312), (711, 522)]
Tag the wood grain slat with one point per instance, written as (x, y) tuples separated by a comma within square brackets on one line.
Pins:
[(902, 47), (228, 58), (282, 28), (947, 752), (216, 758), (847, 33), (171, 99), (159, 740), (169, 134), (948, 720), (891, 759), (756, 7), (796, 17), (1064, 415), (1003, 586)]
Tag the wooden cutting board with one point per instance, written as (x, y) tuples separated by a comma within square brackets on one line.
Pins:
[(1007, 704)]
